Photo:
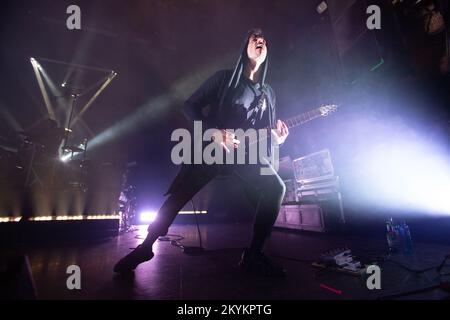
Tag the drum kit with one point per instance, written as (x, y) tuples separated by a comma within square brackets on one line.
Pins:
[(35, 160), (127, 201), (34, 163)]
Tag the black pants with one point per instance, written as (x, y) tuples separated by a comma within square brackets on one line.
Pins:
[(265, 193)]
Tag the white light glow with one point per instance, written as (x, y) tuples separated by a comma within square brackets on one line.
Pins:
[(148, 216), (407, 174), (65, 157), (10, 219), (192, 212), (77, 217)]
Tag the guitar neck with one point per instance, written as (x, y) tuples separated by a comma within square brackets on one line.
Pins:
[(296, 121), (300, 119)]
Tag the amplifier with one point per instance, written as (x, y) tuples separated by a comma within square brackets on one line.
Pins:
[(317, 183), (313, 200), (314, 167), (291, 191), (301, 217)]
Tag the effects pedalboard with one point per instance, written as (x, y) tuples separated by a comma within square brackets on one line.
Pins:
[(342, 260)]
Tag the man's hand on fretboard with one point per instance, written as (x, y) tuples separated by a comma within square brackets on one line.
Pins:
[(280, 133)]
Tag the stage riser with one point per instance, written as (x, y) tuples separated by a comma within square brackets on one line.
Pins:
[(48, 231)]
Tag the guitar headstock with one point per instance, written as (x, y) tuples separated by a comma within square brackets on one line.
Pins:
[(326, 109)]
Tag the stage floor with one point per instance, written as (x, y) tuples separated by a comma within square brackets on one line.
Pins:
[(172, 274)]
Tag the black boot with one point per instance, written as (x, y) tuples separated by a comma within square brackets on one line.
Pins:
[(259, 264), (133, 259)]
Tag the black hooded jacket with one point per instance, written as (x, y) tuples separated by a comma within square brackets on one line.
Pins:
[(229, 100)]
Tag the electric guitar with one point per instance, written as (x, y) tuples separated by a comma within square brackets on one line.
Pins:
[(295, 121)]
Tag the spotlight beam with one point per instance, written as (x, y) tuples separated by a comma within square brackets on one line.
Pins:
[(155, 107), (53, 88), (76, 66), (95, 85), (80, 55), (104, 82), (135, 120), (94, 97), (47, 102)]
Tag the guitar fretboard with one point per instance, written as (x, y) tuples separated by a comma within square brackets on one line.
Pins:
[(301, 118)]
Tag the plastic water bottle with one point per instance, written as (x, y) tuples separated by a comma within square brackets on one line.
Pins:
[(393, 236), (407, 241)]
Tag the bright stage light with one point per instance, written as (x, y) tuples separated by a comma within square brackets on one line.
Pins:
[(322, 7), (35, 63), (10, 219), (65, 157), (410, 175), (148, 216)]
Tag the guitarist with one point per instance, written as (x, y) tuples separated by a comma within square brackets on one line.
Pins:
[(238, 98)]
